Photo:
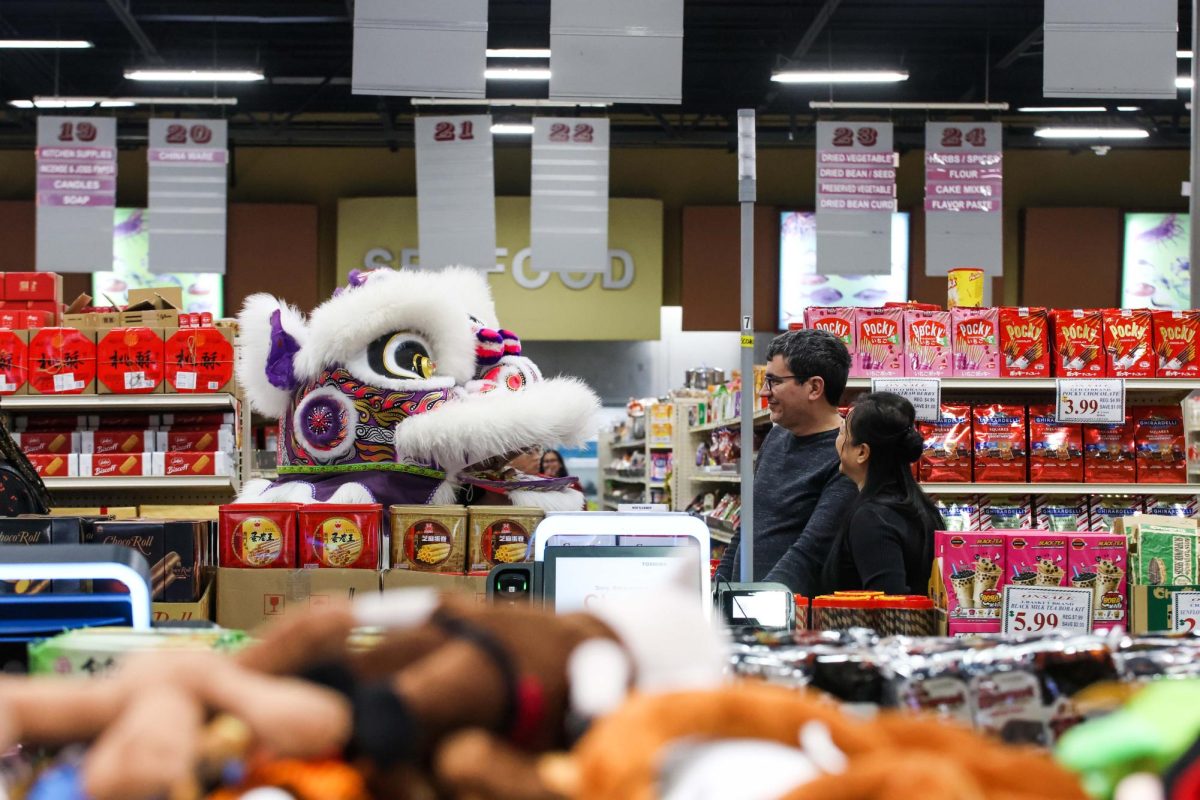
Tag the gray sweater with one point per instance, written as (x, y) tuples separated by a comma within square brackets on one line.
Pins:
[(799, 501)]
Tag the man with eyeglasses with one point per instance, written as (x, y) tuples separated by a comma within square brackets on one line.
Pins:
[(799, 494)]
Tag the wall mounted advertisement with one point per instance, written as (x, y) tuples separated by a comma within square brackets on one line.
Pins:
[(1155, 272), (800, 286)]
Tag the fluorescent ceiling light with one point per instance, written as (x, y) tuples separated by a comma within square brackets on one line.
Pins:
[(1129, 108), (519, 52), (120, 102), (909, 106), (1091, 133), (1183, 82), (1183, 53), (502, 103), (55, 102), (45, 44), (114, 103), (512, 129), (530, 74), (1062, 109), (191, 75), (839, 76)]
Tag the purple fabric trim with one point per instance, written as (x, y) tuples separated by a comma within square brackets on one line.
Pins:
[(280, 360), (386, 488)]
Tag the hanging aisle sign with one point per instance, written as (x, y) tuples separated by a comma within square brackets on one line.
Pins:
[(456, 192), (856, 197), (188, 195), (964, 184), (76, 193), (420, 49), (569, 195)]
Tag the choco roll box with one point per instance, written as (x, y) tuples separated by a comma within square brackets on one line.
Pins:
[(176, 551), (35, 530)]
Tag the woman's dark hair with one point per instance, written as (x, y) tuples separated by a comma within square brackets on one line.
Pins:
[(561, 461), (885, 422)]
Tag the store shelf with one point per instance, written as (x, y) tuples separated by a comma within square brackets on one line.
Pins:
[(658, 484), (634, 445), (1061, 488), (1021, 384), (609, 506), (719, 530), (142, 483), (717, 477), (85, 402), (623, 479), (761, 415)]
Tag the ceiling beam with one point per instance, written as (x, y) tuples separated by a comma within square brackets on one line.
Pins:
[(1010, 58), (135, 30)]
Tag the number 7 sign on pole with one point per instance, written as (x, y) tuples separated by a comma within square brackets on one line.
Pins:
[(188, 195)]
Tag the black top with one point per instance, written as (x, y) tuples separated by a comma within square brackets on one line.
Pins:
[(883, 551), (800, 498)]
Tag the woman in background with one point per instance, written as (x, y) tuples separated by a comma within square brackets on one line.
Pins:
[(886, 542), (554, 466)]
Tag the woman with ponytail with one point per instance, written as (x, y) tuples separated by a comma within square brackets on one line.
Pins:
[(886, 540)]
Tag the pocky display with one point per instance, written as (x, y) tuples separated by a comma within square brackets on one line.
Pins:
[(1107, 509), (1025, 343), (1108, 453), (976, 342), (1062, 512), (1000, 446), (1161, 447), (1079, 343), (959, 512), (946, 448), (1176, 335), (879, 349), (838, 321), (927, 340), (1006, 512), (1100, 561), (1129, 343), (972, 570), (1055, 448), (1036, 558)]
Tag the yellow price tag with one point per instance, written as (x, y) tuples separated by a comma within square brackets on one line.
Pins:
[(747, 340)]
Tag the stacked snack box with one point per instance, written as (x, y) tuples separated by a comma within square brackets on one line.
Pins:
[(429, 538), (1162, 562), (976, 336), (970, 569), (879, 347), (1079, 343), (1024, 343)]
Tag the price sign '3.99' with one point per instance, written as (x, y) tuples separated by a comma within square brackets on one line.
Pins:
[(1090, 400)]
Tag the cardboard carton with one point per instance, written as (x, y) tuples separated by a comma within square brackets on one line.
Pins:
[(153, 308), (33, 286), (458, 584), (247, 598), (1162, 550), (116, 512), (199, 609), (93, 319), (1150, 606)]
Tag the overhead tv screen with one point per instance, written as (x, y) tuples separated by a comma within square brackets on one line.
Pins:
[(1155, 270)]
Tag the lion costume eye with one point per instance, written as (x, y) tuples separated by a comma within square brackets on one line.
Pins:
[(400, 355)]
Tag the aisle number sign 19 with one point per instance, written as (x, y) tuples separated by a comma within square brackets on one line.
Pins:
[(1046, 609), (1090, 400)]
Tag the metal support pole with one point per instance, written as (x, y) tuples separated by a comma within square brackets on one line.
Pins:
[(1194, 176), (747, 194)]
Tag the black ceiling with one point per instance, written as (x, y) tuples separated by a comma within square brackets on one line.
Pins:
[(954, 50)]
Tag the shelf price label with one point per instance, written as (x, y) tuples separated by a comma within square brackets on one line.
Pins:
[(1046, 609), (1090, 400), (1185, 612), (924, 393)]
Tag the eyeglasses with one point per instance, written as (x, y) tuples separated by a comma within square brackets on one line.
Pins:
[(771, 381)]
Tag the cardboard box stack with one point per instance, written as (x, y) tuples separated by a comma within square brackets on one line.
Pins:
[(1163, 557)]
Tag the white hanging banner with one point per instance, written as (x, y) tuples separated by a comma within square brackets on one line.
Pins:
[(617, 51), (1110, 48), (856, 197), (964, 187), (456, 191), (189, 176), (422, 49), (76, 193), (568, 213)]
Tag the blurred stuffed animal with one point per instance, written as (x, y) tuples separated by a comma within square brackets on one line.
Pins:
[(400, 388)]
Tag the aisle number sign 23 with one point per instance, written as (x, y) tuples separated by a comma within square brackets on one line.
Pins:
[(846, 137)]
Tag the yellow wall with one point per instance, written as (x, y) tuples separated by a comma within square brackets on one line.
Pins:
[(1125, 178)]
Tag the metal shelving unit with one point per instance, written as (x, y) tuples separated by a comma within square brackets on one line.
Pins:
[(1061, 488), (106, 402), (1040, 384)]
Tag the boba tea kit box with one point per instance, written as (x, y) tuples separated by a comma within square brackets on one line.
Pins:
[(1036, 558), (1100, 561), (972, 568)]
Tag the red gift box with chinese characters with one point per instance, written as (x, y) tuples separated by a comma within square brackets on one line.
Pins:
[(199, 360), (129, 361), (14, 361), (46, 286), (258, 535), (62, 361), (344, 536)]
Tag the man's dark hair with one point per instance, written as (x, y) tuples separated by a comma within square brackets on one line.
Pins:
[(811, 353)]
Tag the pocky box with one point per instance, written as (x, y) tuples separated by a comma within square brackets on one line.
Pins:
[(1036, 558), (1161, 447), (946, 449), (1055, 448), (879, 350), (838, 321), (976, 342), (1129, 342), (1100, 562), (959, 512), (1176, 336), (1108, 453), (972, 570), (1107, 509), (1006, 512), (1062, 512), (1025, 343), (1001, 450), (1079, 343), (927, 343)]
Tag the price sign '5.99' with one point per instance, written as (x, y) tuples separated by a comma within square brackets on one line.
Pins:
[(1046, 609)]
